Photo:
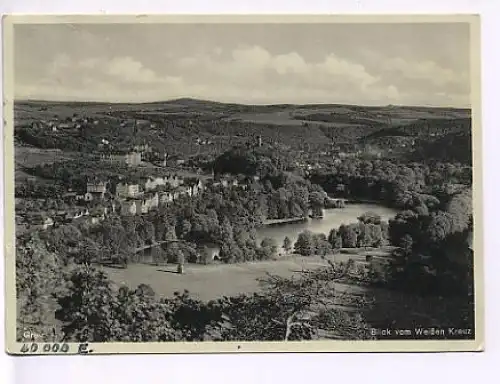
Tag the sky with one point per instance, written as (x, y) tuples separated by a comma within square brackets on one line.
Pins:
[(364, 64)]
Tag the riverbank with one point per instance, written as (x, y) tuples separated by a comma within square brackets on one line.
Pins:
[(332, 218)]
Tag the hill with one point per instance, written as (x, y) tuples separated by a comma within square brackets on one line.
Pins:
[(452, 147), (179, 126), (429, 139)]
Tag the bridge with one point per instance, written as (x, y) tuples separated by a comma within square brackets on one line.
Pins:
[(285, 221), (157, 244)]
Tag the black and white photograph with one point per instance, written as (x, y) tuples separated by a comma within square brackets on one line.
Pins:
[(204, 184)]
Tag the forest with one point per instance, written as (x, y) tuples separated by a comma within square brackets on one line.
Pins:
[(432, 257)]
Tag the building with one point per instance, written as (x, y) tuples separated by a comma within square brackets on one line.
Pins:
[(138, 206), (194, 187), (80, 213), (96, 190), (65, 126), (166, 197), (164, 161), (181, 191), (143, 206), (151, 183), (42, 222), (142, 148), (133, 159), (112, 157), (47, 222), (152, 200), (69, 196), (128, 208), (125, 190), (174, 181), (96, 219)]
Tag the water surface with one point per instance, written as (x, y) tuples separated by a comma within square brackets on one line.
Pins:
[(333, 218)]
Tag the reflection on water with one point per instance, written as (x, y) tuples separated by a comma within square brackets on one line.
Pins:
[(333, 218)]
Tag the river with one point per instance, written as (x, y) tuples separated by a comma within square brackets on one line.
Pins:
[(333, 218)]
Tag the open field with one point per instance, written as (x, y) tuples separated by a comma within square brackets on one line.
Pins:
[(208, 282), (214, 281), (31, 156)]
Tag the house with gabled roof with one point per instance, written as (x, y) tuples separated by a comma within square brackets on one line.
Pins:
[(152, 200)]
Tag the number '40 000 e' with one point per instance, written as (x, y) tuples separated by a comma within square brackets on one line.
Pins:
[(45, 348)]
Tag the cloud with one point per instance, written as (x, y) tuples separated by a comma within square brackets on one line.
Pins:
[(253, 70), (251, 74), (427, 71)]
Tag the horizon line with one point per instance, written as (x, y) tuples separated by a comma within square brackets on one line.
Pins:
[(238, 103)]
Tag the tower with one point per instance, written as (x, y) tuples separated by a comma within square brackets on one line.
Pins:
[(135, 127)]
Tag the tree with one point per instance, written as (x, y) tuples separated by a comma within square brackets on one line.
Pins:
[(440, 226), (88, 252), (230, 252), (115, 238), (206, 257), (460, 207), (86, 310), (287, 245), (317, 199), (349, 235), (226, 229), (269, 248), (145, 290), (369, 218), (407, 245), (332, 235), (170, 233), (305, 243), (183, 228), (375, 234), (38, 278), (291, 309), (338, 242), (321, 244), (406, 222), (158, 255), (172, 252)]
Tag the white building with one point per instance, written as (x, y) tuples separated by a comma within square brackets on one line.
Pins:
[(125, 190)]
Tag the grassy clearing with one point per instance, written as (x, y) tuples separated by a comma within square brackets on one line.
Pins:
[(208, 282)]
